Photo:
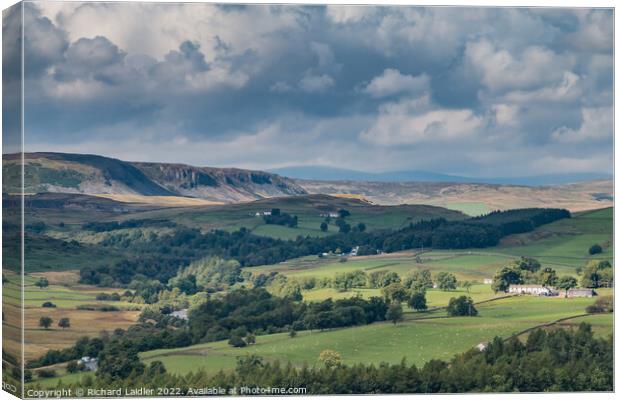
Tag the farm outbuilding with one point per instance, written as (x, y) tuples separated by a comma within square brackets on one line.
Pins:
[(580, 293)]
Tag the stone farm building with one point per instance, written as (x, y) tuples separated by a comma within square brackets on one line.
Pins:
[(580, 293), (539, 290)]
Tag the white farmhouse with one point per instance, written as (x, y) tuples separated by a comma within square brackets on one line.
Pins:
[(181, 314), (538, 290), (89, 363), (488, 281)]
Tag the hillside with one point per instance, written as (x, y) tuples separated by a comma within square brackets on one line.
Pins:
[(180, 185), (96, 175), (473, 198)]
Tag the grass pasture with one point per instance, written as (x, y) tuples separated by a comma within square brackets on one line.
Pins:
[(466, 265), (417, 340)]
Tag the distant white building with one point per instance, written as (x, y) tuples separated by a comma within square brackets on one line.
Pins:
[(481, 346), (538, 290), (330, 214), (354, 251), (89, 363), (488, 281), (181, 314), (258, 213)]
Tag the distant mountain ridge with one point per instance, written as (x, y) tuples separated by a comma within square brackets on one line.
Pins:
[(318, 173), (93, 174)]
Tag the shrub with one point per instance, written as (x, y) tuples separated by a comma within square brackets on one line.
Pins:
[(237, 341), (603, 304), (48, 304), (72, 367), (595, 249), (46, 373)]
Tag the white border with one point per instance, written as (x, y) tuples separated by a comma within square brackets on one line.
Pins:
[(483, 3)]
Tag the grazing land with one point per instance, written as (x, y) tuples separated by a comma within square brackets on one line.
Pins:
[(65, 245), (420, 338)]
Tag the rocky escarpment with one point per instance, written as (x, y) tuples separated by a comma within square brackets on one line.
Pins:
[(219, 184), (95, 175)]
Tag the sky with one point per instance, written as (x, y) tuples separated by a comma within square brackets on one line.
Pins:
[(471, 91)]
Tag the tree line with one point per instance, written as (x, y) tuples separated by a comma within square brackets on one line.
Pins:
[(160, 256), (555, 361)]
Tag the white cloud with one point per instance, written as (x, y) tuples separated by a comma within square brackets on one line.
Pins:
[(216, 77), (597, 124), (416, 120), (500, 70), (506, 114), (391, 82), (563, 91), (349, 14), (316, 84)]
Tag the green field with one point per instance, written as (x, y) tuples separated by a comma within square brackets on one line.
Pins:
[(562, 245), (470, 208), (417, 340), (434, 297)]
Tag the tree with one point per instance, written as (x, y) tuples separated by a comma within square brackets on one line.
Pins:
[(394, 313), (324, 227), (48, 304), (42, 283), (250, 338), (394, 292), (597, 274), (419, 280), (417, 301), (45, 322), (461, 306), (361, 227), (343, 213), (237, 341), (275, 212), (64, 323), (330, 358), (547, 277), (566, 282), (467, 285), (528, 264), (72, 367), (446, 281), (292, 333), (506, 276), (344, 228), (595, 249), (117, 360)]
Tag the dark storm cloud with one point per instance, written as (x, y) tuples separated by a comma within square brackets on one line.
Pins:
[(469, 90)]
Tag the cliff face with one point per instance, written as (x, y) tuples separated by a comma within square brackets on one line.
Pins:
[(91, 174), (219, 184)]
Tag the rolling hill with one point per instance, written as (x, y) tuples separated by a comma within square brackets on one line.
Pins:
[(472, 198), (180, 185), (95, 175)]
